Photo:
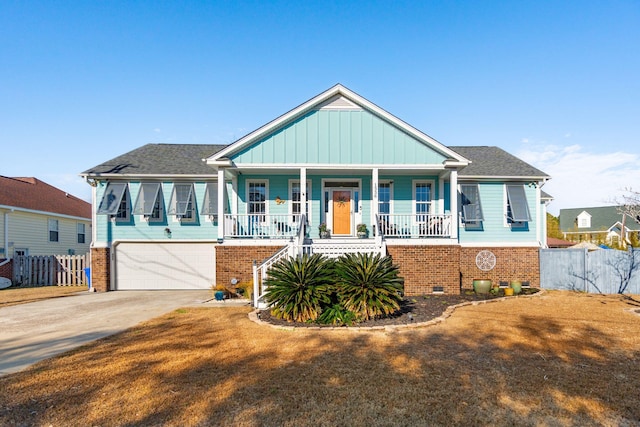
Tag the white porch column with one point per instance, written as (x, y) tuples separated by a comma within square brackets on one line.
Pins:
[(234, 195), (221, 188), (374, 196), (303, 191), (453, 203)]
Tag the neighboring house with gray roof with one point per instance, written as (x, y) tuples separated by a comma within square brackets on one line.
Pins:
[(190, 216), (603, 224)]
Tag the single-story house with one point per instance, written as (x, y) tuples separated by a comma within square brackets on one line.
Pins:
[(39, 219), (603, 224), (184, 216)]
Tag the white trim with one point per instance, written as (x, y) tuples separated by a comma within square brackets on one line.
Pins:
[(501, 245), (33, 211), (501, 178), (308, 201), (319, 100), (328, 216), (266, 194), (391, 196), (55, 229), (341, 167), (100, 177), (431, 195), (84, 232)]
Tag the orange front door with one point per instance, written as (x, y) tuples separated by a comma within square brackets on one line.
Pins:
[(341, 212)]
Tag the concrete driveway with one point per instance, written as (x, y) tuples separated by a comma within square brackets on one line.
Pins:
[(35, 331)]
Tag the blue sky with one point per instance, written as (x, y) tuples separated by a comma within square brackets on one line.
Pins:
[(555, 83)]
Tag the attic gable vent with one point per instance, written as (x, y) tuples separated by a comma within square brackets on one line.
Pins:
[(338, 102)]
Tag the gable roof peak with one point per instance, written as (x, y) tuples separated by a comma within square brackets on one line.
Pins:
[(323, 99)]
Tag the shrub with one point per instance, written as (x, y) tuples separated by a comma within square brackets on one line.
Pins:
[(335, 314), (298, 287), (368, 285)]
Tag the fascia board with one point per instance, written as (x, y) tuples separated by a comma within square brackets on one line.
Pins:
[(501, 178), (319, 99), (333, 166), (146, 176), (223, 162), (47, 213)]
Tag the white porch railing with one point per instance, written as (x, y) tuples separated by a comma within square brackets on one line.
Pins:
[(294, 248), (414, 225), (297, 247), (261, 225), (335, 250)]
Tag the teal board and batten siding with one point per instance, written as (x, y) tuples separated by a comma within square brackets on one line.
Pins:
[(494, 227), (139, 229), (339, 137)]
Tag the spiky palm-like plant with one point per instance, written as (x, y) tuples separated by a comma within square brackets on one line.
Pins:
[(298, 287), (368, 285)]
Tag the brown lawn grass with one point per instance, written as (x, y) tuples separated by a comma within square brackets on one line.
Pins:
[(559, 359), (14, 296)]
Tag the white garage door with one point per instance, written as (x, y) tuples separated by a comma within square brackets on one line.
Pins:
[(165, 266)]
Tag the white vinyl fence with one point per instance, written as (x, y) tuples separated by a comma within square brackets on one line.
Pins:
[(606, 271), (60, 270)]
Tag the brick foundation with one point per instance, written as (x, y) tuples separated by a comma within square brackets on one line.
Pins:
[(237, 261), (100, 269), (511, 264), (426, 267), (7, 269)]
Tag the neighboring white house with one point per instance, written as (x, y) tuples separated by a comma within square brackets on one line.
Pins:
[(39, 219)]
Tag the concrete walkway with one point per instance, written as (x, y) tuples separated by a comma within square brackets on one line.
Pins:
[(39, 330)]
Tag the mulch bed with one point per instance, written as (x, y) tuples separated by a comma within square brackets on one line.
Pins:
[(413, 310)]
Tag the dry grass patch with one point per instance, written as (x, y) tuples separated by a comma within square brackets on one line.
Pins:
[(15, 296), (559, 359)]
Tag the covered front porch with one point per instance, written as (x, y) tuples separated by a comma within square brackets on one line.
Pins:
[(366, 203)]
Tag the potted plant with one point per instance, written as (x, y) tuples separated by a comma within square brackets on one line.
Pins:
[(219, 292), (516, 285), (323, 230), (362, 231), (481, 286)]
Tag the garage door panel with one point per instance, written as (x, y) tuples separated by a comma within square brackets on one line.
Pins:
[(165, 266)]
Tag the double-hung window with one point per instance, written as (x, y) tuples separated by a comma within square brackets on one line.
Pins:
[(384, 198), (150, 202), (422, 196), (81, 231), (517, 205), (471, 206), (210, 204), (296, 197), (182, 203), (115, 201), (53, 230), (257, 200)]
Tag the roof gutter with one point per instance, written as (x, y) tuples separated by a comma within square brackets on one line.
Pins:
[(90, 177), (14, 208)]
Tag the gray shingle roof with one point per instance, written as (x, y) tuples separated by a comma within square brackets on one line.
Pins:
[(160, 159), (495, 162), (602, 218)]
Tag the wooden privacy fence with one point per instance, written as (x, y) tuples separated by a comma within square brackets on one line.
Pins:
[(61, 270), (606, 271)]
